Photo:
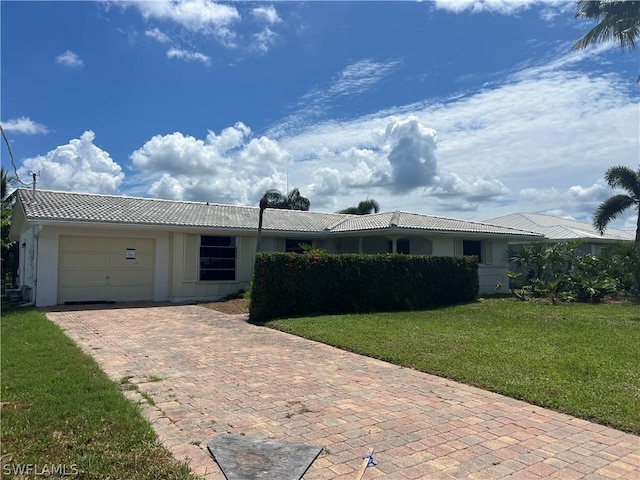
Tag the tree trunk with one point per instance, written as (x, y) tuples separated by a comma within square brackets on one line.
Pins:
[(259, 230), (264, 203), (638, 227)]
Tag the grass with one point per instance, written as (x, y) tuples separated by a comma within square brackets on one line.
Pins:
[(59, 408), (578, 359)]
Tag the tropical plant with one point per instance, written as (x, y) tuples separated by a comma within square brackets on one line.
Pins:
[(591, 280), (273, 198), (626, 179), (365, 207), (531, 257), (623, 263), (560, 272), (619, 20), (6, 246)]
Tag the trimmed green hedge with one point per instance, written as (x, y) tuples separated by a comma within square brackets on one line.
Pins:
[(289, 284)]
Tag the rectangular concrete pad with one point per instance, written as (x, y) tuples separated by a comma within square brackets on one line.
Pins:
[(246, 458)]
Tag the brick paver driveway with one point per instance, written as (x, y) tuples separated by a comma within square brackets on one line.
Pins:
[(220, 374)]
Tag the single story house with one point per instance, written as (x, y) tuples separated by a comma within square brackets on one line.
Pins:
[(77, 247), (557, 229)]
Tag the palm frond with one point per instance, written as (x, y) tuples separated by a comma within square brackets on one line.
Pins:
[(624, 178), (618, 20), (610, 209), (368, 206)]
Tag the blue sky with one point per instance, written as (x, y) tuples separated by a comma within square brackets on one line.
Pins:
[(467, 109)]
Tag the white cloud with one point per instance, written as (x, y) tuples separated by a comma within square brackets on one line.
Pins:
[(69, 59), (24, 125), (157, 35), (452, 190), (201, 16), (264, 40), (577, 201), (326, 182), (231, 167), (230, 138), (79, 166), (354, 79), (505, 7), (188, 56), (412, 155), (195, 15), (266, 14), (361, 76)]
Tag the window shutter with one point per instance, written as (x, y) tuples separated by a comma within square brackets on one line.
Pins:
[(191, 257), (458, 248), (488, 252)]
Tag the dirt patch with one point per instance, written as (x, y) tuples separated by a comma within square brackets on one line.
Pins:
[(232, 307)]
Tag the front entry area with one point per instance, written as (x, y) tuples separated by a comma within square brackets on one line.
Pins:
[(99, 269)]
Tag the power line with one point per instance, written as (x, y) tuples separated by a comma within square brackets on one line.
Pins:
[(13, 163)]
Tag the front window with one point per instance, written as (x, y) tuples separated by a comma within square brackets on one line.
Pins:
[(217, 258), (295, 245), (403, 246), (473, 248)]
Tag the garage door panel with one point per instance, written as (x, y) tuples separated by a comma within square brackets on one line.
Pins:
[(79, 278), (86, 261), (141, 262), (82, 294), (129, 278), (127, 294), (121, 244), (83, 244)]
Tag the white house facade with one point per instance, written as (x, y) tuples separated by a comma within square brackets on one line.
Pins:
[(76, 247)]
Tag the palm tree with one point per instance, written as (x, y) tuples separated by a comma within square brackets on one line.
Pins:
[(618, 20), (4, 183), (7, 248), (624, 178), (273, 198), (365, 207)]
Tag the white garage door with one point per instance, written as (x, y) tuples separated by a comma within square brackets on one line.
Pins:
[(95, 269)]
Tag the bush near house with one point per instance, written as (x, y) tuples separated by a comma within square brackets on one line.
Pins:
[(289, 284), (562, 273)]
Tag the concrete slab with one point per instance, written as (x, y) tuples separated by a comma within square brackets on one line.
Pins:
[(249, 458)]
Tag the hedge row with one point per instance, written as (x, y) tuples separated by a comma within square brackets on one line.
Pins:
[(289, 284)]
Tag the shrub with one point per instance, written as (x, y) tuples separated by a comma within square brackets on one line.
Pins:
[(560, 272), (289, 284)]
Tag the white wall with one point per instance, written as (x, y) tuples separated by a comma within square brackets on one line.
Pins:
[(443, 245)]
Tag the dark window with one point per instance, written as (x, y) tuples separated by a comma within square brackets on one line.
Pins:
[(403, 246), (472, 248), (294, 245), (217, 258)]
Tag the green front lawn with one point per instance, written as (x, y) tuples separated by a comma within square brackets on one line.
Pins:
[(60, 412), (579, 359)]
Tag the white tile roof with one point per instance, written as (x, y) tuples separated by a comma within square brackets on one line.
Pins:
[(63, 207), (556, 228)]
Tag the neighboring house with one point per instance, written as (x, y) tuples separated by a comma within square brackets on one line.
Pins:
[(557, 229), (83, 247)]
